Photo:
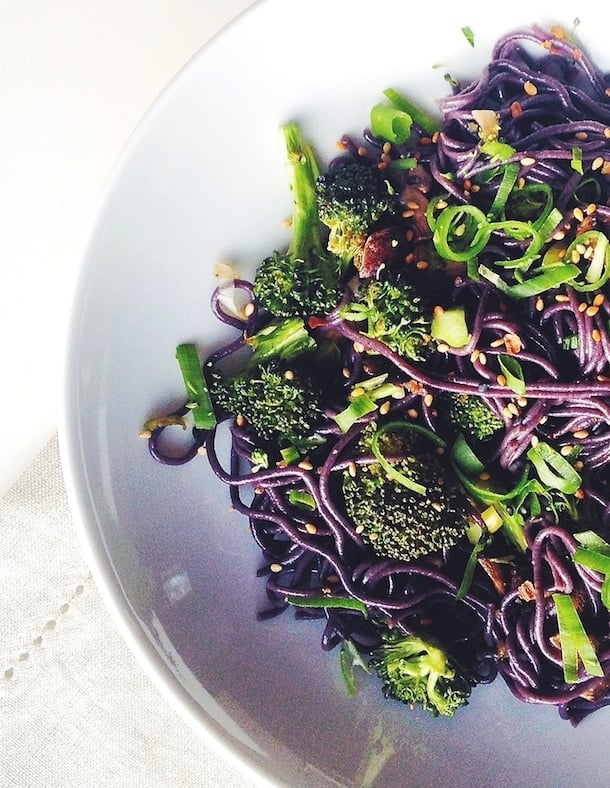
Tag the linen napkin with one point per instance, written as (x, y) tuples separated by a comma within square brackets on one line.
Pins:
[(76, 708)]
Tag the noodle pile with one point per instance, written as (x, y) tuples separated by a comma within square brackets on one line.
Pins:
[(552, 107)]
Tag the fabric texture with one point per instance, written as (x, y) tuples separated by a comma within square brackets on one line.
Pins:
[(76, 708)]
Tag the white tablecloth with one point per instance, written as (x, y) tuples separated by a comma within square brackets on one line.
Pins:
[(75, 79)]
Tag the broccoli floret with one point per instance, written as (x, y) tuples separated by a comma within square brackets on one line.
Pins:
[(416, 670), (393, 312), (304, 279), (276, 400), (352, 198), (472, 415), (399, 522)]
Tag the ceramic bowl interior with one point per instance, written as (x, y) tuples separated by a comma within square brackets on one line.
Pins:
[(200, 182)]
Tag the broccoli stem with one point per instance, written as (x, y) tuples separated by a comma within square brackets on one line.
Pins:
[(304, 171)]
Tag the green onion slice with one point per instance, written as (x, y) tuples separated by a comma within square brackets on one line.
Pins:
[(598, 269), (509, 178), (387, 466), (390, 123), (575, 642), (512, 371), (196, 387), (358, 407), (418, 115), (461, 232), (554, 470), (342, 602)]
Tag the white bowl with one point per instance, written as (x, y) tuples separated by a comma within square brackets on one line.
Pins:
[(202, 181)]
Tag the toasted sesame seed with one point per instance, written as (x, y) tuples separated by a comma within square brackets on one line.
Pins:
[(438, 311), (498, 342), (422, 265), (202, 450), (597, 163), (590, 209), (507, 413), (530, 88), (592, 311), (501, 380), (384, 408), (596, 335), (259, 490), (580, 494), (146, 434), (482, 358), (289, 374), (311, 528), (475, 355), (275, 568), (413, 205), (534, 441), (599, 299), (408, 214), (575, 256), (387, 147), (428, 400), (306, 465), (240, 420), (562, 298), (513, 408), (358, 347), (607, 133), (566, 450), (359, 529), (249, 309), (539, 304), (362, 151), (373, 537), (580, 434), (442, 347), (581, 135), (357, 392), (412, 413), (485, 476), (352, 470), (578, 214), (345, 372)]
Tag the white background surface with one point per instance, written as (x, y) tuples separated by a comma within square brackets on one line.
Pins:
[(75, 79)]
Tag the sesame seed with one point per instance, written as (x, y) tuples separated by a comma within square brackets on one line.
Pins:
[(607, 133), (513, 408), (249, 309), (592, 311), (289, 374), (438, 311), (596, 335), (275, 568), (358, 347), (599, 299), (436, 137), (566, 450), (583, 307), (578, 214), (384, 408), (501, 380), (442, 347), (428, 400), (497, 342), (414, 206), (422, 265), (530, 88), (240, 420), (580, 434), (475, 355), (528, 161), (359, 529), (485, 476), (437, 506), (580, 494), (597, 163), (362, 151), (357, 392), (482, 358), (306, 465), (562, 298), (581, 135), (507, 414), (311, 528), (412, 413), (345, 372), (387, 147), (539, 304), (146, 434), (373, 537), (407, 214), (534, 441), (575, 256), (259, 490), (352, 470), (590, 209)]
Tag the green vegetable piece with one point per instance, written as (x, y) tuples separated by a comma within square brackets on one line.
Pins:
[(449, 326), (418, 115), (554, 470), (397, 521), (418, 671), (304, 279), (283, 339), (350, 658), (468, 35), (196, 387), (512, 371), (329, 602), (575, 642), (390, 123)]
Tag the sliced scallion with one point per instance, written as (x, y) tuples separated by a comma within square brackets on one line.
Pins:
[(197, 390), (575, 642)]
